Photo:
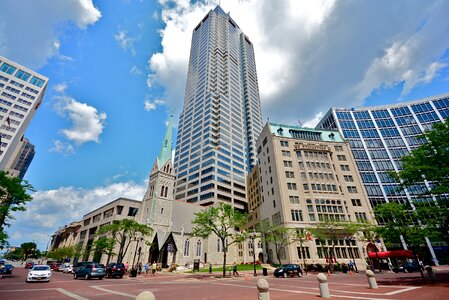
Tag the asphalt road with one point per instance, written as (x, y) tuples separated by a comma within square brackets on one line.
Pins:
[(203, 286)]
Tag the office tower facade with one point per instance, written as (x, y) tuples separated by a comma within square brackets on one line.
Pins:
[(221, 116), (23, 159), (380, 136), (21, 93), (306, 176)]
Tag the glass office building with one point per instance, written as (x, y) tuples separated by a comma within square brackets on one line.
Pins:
[(221, 116), (379, 136), (21, 94)]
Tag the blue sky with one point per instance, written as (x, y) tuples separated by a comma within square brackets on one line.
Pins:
[(116, 67)]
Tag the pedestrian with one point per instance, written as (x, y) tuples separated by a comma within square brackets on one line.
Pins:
[(351, 266), (153, 268), (139, 267), (234, 269), (146, 267), (126, 267)]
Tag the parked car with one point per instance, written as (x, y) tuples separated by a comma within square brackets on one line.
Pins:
[(55, 267), (408, 267), (68, 268), (29, 265), (8, 269), (78, 265), (115, 270), (91, 270), (39, 273), (288, 270)]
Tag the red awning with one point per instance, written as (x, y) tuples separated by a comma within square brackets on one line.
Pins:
[(391, 254)]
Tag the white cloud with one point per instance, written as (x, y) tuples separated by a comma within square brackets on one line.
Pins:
[(312, 55), (135, 71), (65, 149), (54, 208), (314, 121), (125, 41), (148, 105), (35, 39), (87, 123), (60, 88)]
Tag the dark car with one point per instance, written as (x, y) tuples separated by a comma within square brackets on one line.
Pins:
[(92, 270), (78, 265), (8, 269), (115, 270), (408, 267), (288, 270)]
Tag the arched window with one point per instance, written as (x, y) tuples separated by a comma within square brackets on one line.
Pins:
[(186, 247), (162, 191), (198, 248), (166, 191)]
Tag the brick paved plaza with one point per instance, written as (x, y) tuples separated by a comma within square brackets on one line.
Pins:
[(202, 286)]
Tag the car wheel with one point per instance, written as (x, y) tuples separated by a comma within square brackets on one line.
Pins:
[(120, 276), (285, 275), (75, 276), (86, 276), (101, 277)]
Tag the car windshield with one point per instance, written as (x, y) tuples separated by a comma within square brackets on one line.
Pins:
[(41, 268), (100, 266)]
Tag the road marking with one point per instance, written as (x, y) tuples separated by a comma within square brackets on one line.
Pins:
[(302, 292), (70, 294), (113, 292), (403, 290)]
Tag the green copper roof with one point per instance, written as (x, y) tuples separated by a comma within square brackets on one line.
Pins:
[(166, 150), (301, 133)]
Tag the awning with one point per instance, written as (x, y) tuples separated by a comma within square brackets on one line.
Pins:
[(391, 254)]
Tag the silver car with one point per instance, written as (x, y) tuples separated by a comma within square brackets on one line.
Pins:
[(39, 273)]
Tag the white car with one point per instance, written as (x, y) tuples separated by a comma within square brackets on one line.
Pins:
[(39, 273), (67, 268)]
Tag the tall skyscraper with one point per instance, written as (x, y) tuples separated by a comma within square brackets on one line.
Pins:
[(379, 136), (21, 93), (221, 116)]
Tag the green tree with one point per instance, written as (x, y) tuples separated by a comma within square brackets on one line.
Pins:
[(105, 245), (62, 253), (280, 237), (434, 217), (430, 161), (223, 221), (13, 197), (124, 232), (28, 249), (401, 220)]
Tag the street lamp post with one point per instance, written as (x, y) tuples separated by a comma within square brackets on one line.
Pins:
[(253, 237)]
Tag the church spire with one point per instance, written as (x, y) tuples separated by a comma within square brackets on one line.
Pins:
[(166, 150)]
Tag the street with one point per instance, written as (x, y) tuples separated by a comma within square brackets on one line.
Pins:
[(204, 286)]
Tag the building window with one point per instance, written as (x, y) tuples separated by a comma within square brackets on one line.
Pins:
[(289, 174), (303, 253), (284, 144), (294, 199), (344, 167), (219, 248), (291, 186), (348, 178), (286, 153), (296, 215), (288, 163), (338, 148), (360, 216), (132, 211), (352, 189), (186, 247), (198, 248), (356, 202), (341, 157), (274, 203), (276, 218)]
